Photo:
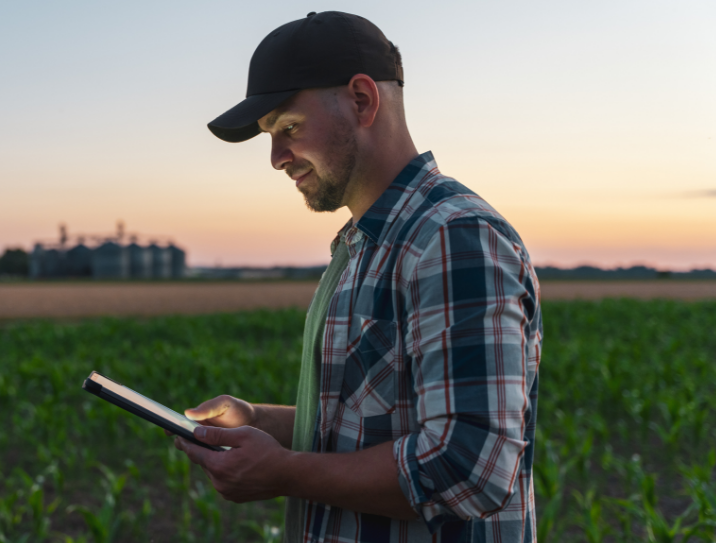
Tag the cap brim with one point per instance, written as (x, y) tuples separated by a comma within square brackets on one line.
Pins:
[(240, 123)]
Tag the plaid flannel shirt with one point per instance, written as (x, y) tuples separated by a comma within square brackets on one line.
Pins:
[(432, 341)]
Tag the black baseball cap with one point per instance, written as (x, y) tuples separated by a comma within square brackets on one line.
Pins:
[(323, 50)]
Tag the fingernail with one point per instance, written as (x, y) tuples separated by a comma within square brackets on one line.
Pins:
[(200, 432)]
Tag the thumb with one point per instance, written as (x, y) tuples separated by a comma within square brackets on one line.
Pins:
[(208, 409), (213, 435)]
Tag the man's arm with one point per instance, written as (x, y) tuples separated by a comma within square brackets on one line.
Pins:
[(258, 468), (277, 421), (473, 347), (365, 481)]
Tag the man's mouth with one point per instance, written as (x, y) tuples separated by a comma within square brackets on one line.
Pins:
[(300, 179)]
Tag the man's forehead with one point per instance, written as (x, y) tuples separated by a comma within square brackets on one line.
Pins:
[(270, 119), (296, 104)]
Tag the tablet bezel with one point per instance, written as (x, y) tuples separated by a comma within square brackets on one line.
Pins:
[(143, 407)]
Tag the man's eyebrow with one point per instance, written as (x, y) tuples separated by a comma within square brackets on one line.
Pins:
[(271, 120)]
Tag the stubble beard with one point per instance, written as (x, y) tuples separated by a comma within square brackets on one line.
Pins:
[(341, 155)]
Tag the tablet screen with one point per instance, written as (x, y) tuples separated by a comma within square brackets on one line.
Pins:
[(142, 401)]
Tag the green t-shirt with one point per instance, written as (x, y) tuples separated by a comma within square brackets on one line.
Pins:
[(309, 380)]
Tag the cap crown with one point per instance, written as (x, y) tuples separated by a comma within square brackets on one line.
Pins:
[(321, 50)]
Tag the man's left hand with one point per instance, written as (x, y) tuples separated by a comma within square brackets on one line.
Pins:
[(259, 468), (250, 471)]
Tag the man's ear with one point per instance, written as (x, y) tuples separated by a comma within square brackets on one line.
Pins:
[(365, 99)]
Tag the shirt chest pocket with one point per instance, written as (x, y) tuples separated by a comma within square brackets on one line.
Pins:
[(369, 380)]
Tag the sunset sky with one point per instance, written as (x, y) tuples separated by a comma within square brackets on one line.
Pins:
[(591, 126)]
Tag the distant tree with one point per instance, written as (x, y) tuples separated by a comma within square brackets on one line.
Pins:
[(14, 262)]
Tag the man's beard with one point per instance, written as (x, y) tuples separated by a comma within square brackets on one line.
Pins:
[(340, 165)]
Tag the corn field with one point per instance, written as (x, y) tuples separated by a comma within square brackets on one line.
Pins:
[(625, 452)]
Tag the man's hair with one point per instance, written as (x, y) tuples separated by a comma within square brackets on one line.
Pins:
[(394, 92), (391, 92), (399, 63)]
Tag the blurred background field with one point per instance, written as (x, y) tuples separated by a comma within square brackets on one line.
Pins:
[(626, 443), (63, 299)]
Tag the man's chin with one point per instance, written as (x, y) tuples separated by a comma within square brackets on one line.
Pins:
[(319, 206), (316, 207), (310, 199), (320, 199)]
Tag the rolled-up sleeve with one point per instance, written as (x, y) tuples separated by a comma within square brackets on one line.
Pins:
[(470, 307)]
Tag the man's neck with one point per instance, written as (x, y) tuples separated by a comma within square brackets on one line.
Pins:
[(377, 175)]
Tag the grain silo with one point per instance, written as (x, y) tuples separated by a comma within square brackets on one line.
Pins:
[(54, 263), (79, 261), (110, 261), (140, 261), (178, 259), (161, 262), (36, 261)]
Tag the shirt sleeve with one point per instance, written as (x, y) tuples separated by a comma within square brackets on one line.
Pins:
[(472, 306)]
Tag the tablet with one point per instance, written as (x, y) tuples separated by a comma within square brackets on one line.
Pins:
[(143, 407)]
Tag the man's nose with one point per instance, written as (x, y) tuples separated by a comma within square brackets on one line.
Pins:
[(281, 155)]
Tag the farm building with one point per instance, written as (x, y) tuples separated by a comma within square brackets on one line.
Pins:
[(161, 261), (106, 257), (110, 261), (79, 261), (140, 261)]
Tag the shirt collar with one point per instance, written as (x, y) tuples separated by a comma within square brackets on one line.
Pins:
[(375, 222), (340, 236)]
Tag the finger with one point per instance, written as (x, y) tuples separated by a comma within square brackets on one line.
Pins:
[(167, 432), (195, 453), (208, 474), (209, 409), (231, 437)]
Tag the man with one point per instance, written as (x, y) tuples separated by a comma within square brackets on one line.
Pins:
[(417, 397)]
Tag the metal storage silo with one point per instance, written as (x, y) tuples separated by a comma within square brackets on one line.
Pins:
[(37, 260), (161, 262), (79, 261), (140, 261), (110, 261), (54, 263), (178, 258)]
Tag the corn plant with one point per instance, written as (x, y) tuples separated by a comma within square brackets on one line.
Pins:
[(592, 522), (658, 528), (204, 497), (106, 524)]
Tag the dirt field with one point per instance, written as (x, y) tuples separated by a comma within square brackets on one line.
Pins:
[(645, 290), (27, 300), (87, 299)]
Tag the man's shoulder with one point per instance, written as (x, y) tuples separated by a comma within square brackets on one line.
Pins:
[(440, 201)]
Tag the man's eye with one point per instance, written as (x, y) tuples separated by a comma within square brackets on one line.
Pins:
[(290, 127)]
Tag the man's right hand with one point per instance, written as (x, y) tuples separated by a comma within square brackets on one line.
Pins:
[(223, 411), (228, 412)]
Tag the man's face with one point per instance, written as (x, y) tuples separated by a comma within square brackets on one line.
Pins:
[(316, 146)]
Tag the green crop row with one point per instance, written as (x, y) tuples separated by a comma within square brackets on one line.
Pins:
[(626, 446)]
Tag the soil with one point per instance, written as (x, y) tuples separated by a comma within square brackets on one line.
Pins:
[(58, 300), (645, 290), (70, 300)]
